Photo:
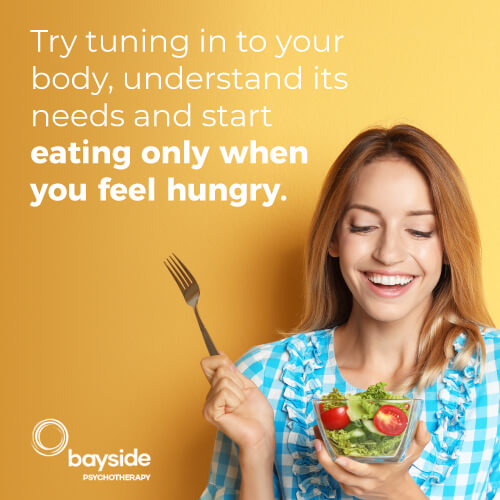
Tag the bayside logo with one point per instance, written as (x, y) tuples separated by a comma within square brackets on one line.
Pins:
[(120, 459), (36, 442), (112, 460)]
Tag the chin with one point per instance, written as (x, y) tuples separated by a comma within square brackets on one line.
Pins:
[(386, 314)]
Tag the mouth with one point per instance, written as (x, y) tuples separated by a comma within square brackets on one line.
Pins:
[(386, 280), (389, 285)]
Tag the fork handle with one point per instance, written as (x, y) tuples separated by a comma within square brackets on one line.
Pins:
[(212, 350)]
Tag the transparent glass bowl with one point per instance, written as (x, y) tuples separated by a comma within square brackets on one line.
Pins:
[(367, 444)]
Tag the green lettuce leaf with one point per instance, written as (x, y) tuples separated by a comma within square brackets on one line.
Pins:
[(377, 391), (345, 442), (334, 399)]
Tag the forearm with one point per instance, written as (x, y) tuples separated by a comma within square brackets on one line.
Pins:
[(257, 476)]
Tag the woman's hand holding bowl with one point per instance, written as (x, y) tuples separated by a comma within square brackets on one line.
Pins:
[(377, 481)]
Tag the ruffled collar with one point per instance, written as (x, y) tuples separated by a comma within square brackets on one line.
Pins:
[(456, 394), (308, 354)]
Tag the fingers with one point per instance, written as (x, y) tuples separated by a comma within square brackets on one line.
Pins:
[(210, 365), (422, 435), (356, 468), (225, 396), (358, 478), (340, 473), (224, 372), (420, 441), (228, 386), (317, 434), (219, 366)]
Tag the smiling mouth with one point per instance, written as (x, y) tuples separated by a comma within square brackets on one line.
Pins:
[(385, 281)]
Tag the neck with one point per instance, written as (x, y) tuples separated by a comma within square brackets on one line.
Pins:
[(369, 351)]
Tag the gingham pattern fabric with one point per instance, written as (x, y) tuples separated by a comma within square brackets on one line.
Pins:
[(462, 461)]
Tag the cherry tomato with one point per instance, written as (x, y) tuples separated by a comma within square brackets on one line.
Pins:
[(407, 406), (335, 418), (390, 420)]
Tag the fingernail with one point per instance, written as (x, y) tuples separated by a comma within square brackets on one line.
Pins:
[(233, 367), (317, 445), (341, 461)]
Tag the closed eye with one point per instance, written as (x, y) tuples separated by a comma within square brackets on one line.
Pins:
[(361, 229), (420, 234)]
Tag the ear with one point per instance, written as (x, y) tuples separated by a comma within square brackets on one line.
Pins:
[(333, 248)]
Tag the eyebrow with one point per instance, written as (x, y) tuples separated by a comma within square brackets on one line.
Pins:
[(377, 212)]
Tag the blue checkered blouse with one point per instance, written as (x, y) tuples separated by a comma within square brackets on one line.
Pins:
[(462, 460)]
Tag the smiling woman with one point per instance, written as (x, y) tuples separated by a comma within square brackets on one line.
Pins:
[(387, 243), (394, 294), (413, 172)]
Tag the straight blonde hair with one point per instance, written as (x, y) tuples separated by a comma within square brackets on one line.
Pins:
[(458, 303)]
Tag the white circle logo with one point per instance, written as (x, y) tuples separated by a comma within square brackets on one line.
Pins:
[(49, 451)]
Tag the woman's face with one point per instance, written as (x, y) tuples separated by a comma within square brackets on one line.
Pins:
[(389, 251)]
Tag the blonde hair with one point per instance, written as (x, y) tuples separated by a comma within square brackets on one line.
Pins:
[(458, 303)]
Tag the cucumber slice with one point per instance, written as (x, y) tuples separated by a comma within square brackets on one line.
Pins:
[(356, 433), (354, 409), (371, 427)]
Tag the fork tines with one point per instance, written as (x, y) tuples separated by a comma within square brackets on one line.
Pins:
[(179, 271)]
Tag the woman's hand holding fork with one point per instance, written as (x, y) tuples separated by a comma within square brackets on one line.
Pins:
[(237, 407)]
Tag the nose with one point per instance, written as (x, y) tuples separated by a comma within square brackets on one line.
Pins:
[(389, 249)]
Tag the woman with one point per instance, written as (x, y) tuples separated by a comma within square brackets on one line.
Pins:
[(393, 294)]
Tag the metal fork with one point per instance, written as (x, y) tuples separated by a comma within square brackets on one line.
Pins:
[(191, 291)]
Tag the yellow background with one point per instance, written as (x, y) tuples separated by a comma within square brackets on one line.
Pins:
[(95, 332)]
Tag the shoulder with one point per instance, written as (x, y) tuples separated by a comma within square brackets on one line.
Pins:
[(267, 360), (491, 337), (490, 358), (486, 372)]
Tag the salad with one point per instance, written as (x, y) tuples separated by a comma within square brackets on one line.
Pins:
[(371, 423)]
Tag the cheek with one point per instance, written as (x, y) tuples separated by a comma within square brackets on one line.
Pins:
[(353, 246), (354, 252), (431, 258)]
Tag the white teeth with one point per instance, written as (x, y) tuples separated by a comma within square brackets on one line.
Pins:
[(383, 279)]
